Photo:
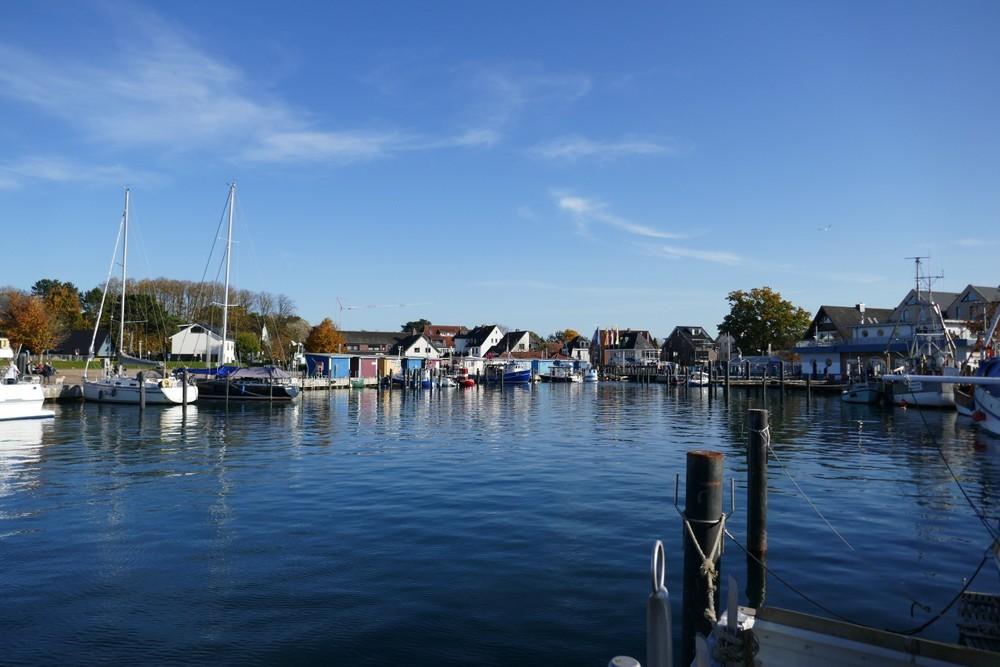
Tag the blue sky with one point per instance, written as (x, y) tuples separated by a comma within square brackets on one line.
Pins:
[(567, 165)]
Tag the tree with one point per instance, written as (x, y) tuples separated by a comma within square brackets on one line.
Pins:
[(63, 305), (247, 345), (324, 337), (760, 317), (44, 286), (26, 323), (415, 325), (563, 336)]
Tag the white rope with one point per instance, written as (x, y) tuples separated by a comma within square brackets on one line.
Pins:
[(766, 432), (708, 569)]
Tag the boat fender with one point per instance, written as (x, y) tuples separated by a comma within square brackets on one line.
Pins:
[(978, 416)]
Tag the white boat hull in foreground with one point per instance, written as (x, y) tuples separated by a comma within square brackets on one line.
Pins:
[(126, 390), (22, 400)]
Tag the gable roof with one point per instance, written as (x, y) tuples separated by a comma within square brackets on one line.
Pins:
[(478, 335), (79, 339), (406, 342), (387, 338), (634, 339), (844, 318), (697, 335), (184, 328)]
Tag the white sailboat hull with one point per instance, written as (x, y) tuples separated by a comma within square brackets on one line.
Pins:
[(22, 400), (126, 390)]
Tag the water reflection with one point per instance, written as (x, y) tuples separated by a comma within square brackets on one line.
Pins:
[(20, 452)]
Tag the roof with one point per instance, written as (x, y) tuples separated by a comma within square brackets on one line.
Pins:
[(445, 330), (688, 332), (578, 342), (990, 294), (630, 339), (184, 327), (79, 339), (510, 341), (478, 335), (387, 338), (846, 317), (406, 342)]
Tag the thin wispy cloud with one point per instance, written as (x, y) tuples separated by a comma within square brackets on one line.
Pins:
[(161, 90), (575, 148), (714, 256), (61, 170), (586, 211)]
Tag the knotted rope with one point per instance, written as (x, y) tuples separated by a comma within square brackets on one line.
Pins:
[(708, 568)]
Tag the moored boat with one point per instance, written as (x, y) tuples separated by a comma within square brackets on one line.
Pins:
[(965, 402), (463, 379), (987, 396), (512, 372), (862, 392), (18, 400), (264, 383), (590, 375), (699, 379)]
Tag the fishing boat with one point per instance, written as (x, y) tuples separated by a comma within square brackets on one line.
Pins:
[(562, 374), (463, 379), (114, 386), (932, 356), (862, 392), (987, 396), (699, 379), (511, 372), (18, 400), (965, 401), (263, 383)]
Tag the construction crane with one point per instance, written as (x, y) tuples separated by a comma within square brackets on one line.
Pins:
[(370, 306)]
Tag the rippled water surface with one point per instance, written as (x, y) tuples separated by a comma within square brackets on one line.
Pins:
[(464, 527)]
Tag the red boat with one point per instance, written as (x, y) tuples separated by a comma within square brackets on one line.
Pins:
[(463, 379)]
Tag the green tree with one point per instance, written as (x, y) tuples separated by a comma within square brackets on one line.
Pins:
[(760, 317), (44, 286), (247, 345), (415, 325), (324, 337), (563, 336)]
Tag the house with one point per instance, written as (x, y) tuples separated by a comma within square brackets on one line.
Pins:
[(842, 335), (77, 344), (690, 346), (578, 349), (618, 347), (478, 341), (415, 346), (442, 336), (914, 306), (974, 304), (371, 342), (197, 341)]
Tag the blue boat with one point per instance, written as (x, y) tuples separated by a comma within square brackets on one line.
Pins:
[(512, 372)]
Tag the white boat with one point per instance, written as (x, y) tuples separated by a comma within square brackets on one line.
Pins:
[(447, 382), (590, 375), (699, 379), (986, 390), (18, 400), (862, 392), (114, 386)]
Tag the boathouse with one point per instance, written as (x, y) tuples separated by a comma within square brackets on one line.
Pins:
[(198, 341), (364, 368), (325, 365)]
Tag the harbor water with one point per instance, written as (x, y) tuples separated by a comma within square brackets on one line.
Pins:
[(460, 527)]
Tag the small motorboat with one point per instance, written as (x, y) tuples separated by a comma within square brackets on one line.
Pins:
[(446, 381), (699, 379), (862, 392), (462, 378), (590, 375)]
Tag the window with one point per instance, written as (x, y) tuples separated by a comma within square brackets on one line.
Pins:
[(880, 333), (864, 333)]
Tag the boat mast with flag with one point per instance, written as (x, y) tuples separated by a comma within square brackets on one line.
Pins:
[(114, 386)]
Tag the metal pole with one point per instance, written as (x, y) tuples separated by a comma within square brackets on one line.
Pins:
[(757, 507), (703, 512), (225, 294), (142, 390)]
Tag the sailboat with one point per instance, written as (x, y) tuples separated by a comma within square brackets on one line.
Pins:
[(114, 386), (229, 383)]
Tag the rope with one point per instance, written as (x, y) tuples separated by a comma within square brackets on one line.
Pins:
[(766, 433), (823, 607), (708, 562)]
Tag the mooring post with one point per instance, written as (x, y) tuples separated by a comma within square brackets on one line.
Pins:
[(727, 376), (757, 506), (747, 366), (142, 389), (781, 375), (703, 520), (184, 390)]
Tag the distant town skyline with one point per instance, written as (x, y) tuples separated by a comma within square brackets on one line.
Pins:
[(570, 165)]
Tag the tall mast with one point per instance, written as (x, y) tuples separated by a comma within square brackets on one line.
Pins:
[(225, 295), (121, 324)]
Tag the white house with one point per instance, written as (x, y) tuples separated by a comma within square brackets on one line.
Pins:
[(416, 346), (478, 342), (196, 341)]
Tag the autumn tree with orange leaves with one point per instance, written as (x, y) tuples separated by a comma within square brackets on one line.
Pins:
[(324, 337), (26, 322)]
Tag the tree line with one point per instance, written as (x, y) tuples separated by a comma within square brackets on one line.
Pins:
[(41, 318)]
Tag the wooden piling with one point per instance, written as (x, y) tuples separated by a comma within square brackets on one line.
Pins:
[(781, 375), (757, 506), (703, 514), (727, 376), (747, 366), (184, 390), (142, 389)]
